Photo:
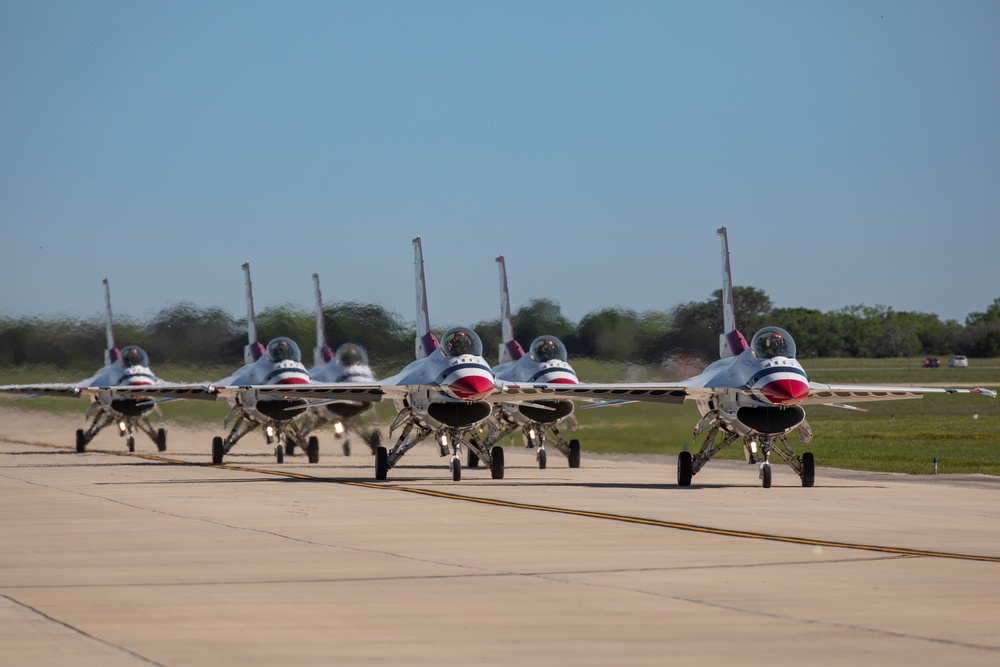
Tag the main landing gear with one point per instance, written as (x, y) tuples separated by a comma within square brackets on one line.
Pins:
[(448, 442), (126, 429), (688, 465), (284, 436)]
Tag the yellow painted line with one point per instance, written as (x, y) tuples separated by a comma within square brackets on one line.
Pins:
[(707, 530)]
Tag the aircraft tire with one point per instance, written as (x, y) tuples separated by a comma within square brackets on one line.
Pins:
[(279, 453), (218, 451), (161, 440), (381, 464), (496, 470), (574, 453), (81, 441), (456, 470), (541, 459), (289, 447), (808, 470), (347, 447), (765, 476), (473, 459), (685, 471), (312, 450), (130, 443)]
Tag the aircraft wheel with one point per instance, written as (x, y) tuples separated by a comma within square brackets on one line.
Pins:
[(574, 453), (81, 441), (130, 443), (289, 447), (496, 469), (313, 449), (765, 476), (473, 459), (347, 447), (161, 440), (541, 459), (456, 470), (218, 451), (808, 470), (685, 471), (381, 463), (279, 453)]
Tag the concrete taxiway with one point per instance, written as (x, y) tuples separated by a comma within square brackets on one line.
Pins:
[(163, 559)]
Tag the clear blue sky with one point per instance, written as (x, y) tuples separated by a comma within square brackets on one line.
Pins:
[(852, 148)]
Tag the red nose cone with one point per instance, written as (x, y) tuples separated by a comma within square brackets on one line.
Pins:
[(292, 380), (785, 392), (471, 387)]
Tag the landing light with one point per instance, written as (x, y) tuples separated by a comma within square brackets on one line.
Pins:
[(121, 426), (531, 433), (270, 431), (444, 439), (753, 446), (338, 428)]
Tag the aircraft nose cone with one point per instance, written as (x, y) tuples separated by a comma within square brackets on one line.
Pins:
[(785, 391), (471, 387), (294, 379)]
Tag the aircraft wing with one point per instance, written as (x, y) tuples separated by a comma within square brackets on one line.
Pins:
[(368, 392), (156, 392), (829, 394), (39, 390), (656, 392)]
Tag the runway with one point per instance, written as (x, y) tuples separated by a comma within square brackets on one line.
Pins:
[(163, 559)]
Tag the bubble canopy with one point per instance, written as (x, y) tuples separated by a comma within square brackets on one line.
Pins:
[(283, 349), (547, 348), (771, 342), (351, 354), (461, 340), (133, 355)]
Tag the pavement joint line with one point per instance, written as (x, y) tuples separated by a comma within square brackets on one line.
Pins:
[(659, 523)]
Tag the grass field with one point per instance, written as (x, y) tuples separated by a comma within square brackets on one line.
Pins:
[(961, 431)]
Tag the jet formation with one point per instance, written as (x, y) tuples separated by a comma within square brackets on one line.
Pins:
[(753, 395)]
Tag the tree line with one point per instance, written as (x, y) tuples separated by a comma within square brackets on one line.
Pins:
[(184, 333)]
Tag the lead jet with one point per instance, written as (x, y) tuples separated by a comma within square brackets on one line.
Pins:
[(348, 364), (545, 362), (754, 393), (125, 368)]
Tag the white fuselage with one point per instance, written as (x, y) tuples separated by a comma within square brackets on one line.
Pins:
[(116, 375), (753, 393), (332, 372), (527, 370), (450, 390), (265, 372)]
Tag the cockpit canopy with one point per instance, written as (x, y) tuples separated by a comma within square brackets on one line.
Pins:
[(283, 349), (133, 355), (351, 354), (771, 342), (461, 340), (547, 348)]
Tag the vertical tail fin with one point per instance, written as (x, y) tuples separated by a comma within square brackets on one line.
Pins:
[(731, 341), (253, 350), (510, 350), (322, 353), (110, 352), (426, 343)]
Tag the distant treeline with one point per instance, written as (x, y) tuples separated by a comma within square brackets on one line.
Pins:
[(183, 333)]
